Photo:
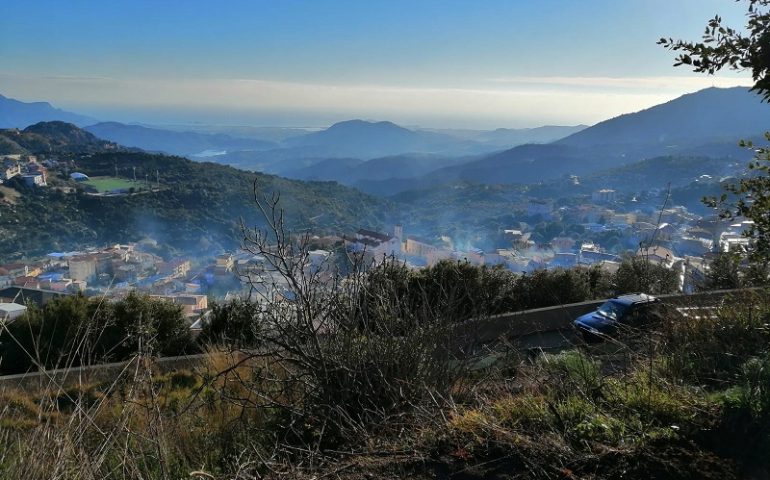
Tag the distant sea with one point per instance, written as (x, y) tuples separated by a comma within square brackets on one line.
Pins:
[(209, 153)]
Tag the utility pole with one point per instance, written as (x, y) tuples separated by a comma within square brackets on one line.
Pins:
[(134, 174)]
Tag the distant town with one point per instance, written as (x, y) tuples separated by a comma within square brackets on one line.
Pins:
[(670, 236)]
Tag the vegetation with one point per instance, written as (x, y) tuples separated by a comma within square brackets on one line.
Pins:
[(199, 210), (727, 47), (371, 375), (50, 137), (74, 330), (111, 184), (342, 399)]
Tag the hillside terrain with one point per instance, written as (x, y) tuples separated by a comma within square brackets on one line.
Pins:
[(171, 142), (510, 137), (706, 123), (18, 114), (51, 138), (710, 114), (195, 207)]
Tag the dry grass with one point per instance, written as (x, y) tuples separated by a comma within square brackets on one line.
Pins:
[(10, 195)]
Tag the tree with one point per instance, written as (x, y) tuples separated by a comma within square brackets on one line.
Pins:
[(724, 272), (637, 274), (234, 323), (74, 330), (726, 47), (723, 47)]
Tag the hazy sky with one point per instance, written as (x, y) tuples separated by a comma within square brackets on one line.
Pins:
[(475, 64)]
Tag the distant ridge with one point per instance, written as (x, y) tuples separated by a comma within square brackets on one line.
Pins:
[(709, 114), (173, 142), (707, 123), (46, 137), (18, 114), (198, 209), (364, 139)]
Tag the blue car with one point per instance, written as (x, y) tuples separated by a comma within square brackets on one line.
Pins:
[(633, 310)]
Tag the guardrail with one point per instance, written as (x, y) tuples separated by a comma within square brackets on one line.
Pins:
[(476, 331), (559, 318)]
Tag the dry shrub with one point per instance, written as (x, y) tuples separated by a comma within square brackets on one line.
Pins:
[(710, 348)]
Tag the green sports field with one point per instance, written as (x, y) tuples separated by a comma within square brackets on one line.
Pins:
[(109, 184)]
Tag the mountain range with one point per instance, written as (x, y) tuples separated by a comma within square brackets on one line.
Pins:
[(51, 137), (198, 204), (176, 143), (384, 158), (710, 122), (287, 151), (707, 115), (197, 207), (17, 114), (509, 137)]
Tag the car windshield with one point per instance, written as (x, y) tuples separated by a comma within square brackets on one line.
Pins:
[(612, 310)]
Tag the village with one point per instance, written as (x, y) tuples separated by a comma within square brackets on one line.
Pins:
[(600, 229), (672, 237)]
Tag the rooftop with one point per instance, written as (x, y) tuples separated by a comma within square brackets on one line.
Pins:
[(635, 299), (11, 307), (372, 234)]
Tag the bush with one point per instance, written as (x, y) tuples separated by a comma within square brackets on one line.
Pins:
[(637, 274), (573, 371), (235, 323), (74, 330), (712, 349), (755, 386)]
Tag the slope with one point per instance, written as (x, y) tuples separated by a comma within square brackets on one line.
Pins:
[(173, 142), (706, 115), (197, 207), (17, 114), (51, 137), (707, 123)]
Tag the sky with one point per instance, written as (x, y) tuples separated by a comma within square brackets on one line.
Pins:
[(433, 63)]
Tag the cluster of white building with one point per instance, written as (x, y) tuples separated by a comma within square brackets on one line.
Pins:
[(27, 167)]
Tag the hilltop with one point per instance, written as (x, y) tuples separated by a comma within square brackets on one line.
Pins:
[(707, 115), (18, 114), (51, 137), (364, 139), (709, 122), (172, 142), (195, 207)]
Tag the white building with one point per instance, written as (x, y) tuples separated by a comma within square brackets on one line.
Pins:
[(34, 180), (11, 311), (375, 243), (733, 239), (605, 195)]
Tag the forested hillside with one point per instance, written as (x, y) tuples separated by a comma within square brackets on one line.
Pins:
[(190, 206)]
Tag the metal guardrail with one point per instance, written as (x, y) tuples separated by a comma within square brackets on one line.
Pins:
[(479, 331), (560, 318)]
